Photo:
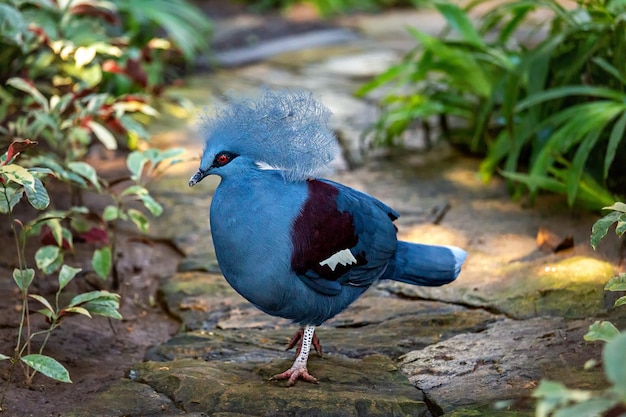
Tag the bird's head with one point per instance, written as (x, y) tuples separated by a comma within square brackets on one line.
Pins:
[(213, 163), (282, 130)]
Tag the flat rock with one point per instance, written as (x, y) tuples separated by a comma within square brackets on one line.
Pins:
[(128, 398), (366, 388), (506, 361)]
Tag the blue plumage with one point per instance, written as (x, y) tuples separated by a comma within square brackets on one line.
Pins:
[(295, 246)]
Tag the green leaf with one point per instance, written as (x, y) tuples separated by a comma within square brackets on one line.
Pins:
[(601, 227), (105, 308), (135, 189), (86, 171), (80, 224), (183, 23), (557, 391), (135, 162), (47, 313), (11, 196), (18, 174), (67, 274), (102, 303), (170, 153), (384, 78), (140, 220), (23, 278), (573, 130), (48, 258), (575, 171), (23, 85), (620, 301), (56, 230), (605, 65), (91, 296), (110, 213), (76, 310), (536, 181), (617, 134), (618, 206), (41, 172), (614, 358), (144, 195), (102, 262), (13, 26), (103, 134), (617, 283), (38, 196), (45, 302), (152, 205), (47, 366), (601, 330), (460, 21), (567, 91), (4, 357)]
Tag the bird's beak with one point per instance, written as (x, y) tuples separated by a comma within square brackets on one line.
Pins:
[(197, 177)]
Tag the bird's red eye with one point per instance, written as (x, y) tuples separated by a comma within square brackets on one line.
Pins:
[(222, 159)]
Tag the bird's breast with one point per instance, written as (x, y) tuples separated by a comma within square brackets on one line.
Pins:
[(251, 227)]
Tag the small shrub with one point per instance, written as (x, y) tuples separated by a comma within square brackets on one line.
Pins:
[(16, 182), (521, 105), (72, 75)]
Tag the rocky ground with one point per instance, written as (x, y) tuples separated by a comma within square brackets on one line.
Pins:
[(477, 347)]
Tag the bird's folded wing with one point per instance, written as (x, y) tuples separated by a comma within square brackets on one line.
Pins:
[(342, 237)]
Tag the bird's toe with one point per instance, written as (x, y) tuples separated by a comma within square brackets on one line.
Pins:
[(293, 374)]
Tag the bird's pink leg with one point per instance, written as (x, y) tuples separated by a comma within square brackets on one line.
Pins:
[(297, 337), (298, 369)]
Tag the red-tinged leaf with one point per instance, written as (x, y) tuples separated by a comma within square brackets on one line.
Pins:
[(46, 237), (136, 72), (17, 146), (43, 36), (112, 66), (114, 125), (84, 122), (95, 235)]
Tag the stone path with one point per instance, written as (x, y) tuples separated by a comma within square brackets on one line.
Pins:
[(477, 347)]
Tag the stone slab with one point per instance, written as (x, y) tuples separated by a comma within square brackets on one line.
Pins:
[(370, 387), (506, 361)]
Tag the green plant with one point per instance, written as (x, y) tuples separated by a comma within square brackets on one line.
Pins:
[(520, 105), (17, 181), (143, 166), (81, 84), (554, 398), (74, 74), (458, 75)]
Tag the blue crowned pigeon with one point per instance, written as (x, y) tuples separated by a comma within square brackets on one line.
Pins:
[(294, 245)]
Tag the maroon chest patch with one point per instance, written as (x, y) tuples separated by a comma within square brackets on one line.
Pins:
[(320, 231)]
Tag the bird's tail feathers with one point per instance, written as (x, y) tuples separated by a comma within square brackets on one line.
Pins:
[(426, 265)]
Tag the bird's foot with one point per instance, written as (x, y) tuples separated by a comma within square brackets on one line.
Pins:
[(297, 339), (293, 374)]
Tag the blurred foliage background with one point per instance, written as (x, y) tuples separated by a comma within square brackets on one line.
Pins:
[(547, 113)]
